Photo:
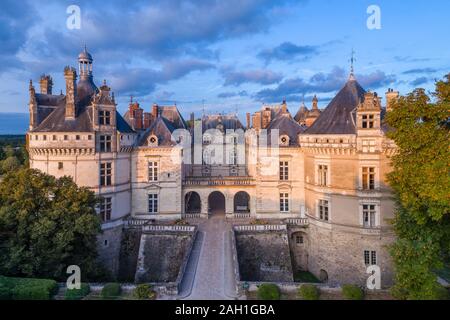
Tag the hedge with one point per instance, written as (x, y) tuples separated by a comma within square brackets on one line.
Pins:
[(111, 291), (268, 291), (352, 292), (309, 292), (143, 291), (77, 294), (27, 288)]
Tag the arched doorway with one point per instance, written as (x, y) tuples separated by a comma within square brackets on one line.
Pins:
[(241, 202), (192, 202), (216, 203)]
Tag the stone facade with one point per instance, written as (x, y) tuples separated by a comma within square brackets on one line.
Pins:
[(328, 167)]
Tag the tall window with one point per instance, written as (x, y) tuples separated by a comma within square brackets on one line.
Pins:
[(105, 209), (153, 203), (105, 143), (233, 157), (368, 178), (284, 170), (369, 213), (368, 121), (322, 175), (284, 202), (104, 117), (323, 210), (370, 257), (152, 171), (105, 174)]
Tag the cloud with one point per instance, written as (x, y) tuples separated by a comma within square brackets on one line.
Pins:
[(420, 70), (236, 78), (242, 93), (16, 18), (288, 51), (294, 88), (159, 29), (143, 81), (419, 81)]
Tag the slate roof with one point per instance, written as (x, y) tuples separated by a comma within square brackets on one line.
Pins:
[(286, 126), (339, 116), (301, 113), (229, 121), (169, 119)]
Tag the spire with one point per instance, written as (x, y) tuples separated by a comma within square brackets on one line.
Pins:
[(352, 61)]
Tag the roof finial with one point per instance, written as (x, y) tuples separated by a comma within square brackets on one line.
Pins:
[(352, 60)]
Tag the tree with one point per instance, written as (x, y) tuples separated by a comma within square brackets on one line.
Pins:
[(10, 164), (46, 224), (421, 181)]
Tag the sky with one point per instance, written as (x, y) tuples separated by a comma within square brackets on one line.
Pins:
[(224, 56)]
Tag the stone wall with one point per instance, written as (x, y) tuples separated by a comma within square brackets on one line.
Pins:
[(264, 256), (129, 254), (163, 254), (108, 246), (338, 252)]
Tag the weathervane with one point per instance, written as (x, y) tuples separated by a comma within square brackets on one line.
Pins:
[(352, 61)]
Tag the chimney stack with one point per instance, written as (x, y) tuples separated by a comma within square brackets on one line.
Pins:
[(391, 96), (155, 111), (147, 120), (247, 118), (46, 84), (257, 120), (71, 92)]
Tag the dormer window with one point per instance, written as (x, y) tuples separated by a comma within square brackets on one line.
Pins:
[(284, 140), (153, 141), (368, 121), (206, 139), (104, 118)]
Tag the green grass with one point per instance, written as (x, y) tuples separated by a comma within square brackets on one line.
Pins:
[(27, 288), (305, 276)]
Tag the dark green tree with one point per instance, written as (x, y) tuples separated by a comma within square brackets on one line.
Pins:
[(46, 224), (421, 181)]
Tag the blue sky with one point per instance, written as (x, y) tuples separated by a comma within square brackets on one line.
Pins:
[(228, 55)]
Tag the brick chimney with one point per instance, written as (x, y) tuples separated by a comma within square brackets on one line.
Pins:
[(391, 96), (247, 118), (147, 120), (138, 118), (46, 84), (71, 92), (155, 111), (256, 120)]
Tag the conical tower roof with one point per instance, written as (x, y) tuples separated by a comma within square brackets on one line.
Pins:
[(338, 118)]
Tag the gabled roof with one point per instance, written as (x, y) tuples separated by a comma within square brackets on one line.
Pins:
[(338, 116), (286, 126), (162, 129)]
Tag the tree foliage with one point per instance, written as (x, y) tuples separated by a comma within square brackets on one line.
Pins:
[(46, 224), (421, 181)]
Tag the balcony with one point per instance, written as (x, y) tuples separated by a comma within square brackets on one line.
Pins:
[(219, 181)]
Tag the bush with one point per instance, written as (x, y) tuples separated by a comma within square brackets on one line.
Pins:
[(143, 291), (111, 291), (5, 293), (27, 288), (352, 292), (268, 291), (77, 294), (309, 292)]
